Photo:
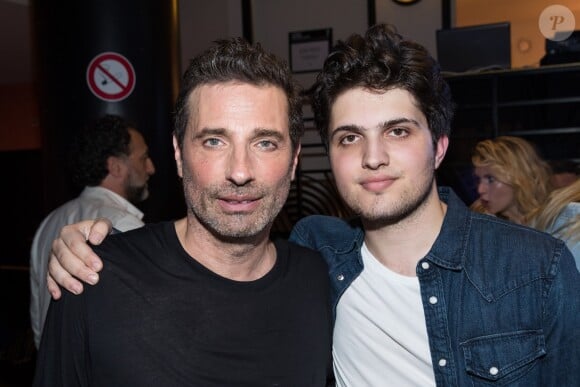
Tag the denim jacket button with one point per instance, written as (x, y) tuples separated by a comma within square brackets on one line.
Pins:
[(442, 362), (433, 300), (340, 277), (493, 371), (425, 265)]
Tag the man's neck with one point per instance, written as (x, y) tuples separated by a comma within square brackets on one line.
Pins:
[(113, 185), (401, 245), (245, 261)]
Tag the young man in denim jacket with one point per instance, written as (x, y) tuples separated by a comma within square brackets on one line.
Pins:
[(424, 291)]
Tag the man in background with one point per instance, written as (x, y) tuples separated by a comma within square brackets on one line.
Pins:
[(110, 160)]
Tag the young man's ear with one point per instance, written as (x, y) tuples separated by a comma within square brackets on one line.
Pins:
[(440, 150), (177, 155)]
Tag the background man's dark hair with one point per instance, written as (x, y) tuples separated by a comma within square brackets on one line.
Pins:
[(237, 60), (380, 61), (94, 144)]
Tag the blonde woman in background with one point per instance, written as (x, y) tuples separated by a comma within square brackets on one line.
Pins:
[(514, 181), (560, 216)]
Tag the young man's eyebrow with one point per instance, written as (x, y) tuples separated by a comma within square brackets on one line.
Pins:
[(346, 128), (385, 124), (398, 121)]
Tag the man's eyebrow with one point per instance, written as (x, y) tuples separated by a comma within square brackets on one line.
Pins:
[(346, 128), (385, 124), (398, 121), (265, 132), (258, 132), (209, 132)]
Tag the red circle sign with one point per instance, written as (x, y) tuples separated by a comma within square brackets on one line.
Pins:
[(111, 77)]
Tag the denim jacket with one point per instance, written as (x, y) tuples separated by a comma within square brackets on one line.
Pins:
[(501, 301)]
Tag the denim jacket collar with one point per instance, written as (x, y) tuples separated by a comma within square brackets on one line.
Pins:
[(449, 248)]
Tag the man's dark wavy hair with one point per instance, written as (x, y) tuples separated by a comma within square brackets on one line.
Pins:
[(94, 144), (237, 60), (379, 61)]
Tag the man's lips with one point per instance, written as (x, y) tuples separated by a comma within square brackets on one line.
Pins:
[(377, 184), (239, 203)]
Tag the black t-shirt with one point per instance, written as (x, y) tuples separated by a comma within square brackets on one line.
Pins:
[(159, 318)]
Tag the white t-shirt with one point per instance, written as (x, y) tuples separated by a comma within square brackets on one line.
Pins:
[(380, 335)]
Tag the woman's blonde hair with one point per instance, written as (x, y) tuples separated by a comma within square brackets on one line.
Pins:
[(556, 202), (516, 162)]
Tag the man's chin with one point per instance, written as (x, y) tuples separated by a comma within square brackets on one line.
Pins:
[(144, 195), (138, 195)]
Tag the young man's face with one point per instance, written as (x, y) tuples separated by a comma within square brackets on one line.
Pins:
[(237, 161), (382, 153)]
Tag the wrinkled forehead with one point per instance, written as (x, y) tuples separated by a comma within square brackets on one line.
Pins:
[(235, 103)]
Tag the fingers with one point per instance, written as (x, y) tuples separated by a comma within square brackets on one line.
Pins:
[(72, 260), (98, 230), (53, 287), (57, 275), (71, 246), (71, 256)]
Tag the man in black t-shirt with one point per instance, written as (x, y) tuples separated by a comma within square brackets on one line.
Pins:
[(208, 300)]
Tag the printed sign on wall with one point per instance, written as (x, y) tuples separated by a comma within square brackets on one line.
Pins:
[(111, 77)]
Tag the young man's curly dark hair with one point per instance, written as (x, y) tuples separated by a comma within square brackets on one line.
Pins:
[(379, 61), (94, 144)]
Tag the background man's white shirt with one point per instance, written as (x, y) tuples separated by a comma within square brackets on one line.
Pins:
[(92, 203)]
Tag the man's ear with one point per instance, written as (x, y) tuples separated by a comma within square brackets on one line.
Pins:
[(177, 155), (116, 166), (296, 159), (440, 150)]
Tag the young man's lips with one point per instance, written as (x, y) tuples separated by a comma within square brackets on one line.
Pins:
[(377, 184)]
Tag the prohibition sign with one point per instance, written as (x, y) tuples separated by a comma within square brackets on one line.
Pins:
[(111, 77)]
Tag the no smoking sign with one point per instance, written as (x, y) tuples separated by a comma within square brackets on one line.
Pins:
[(111, 77)]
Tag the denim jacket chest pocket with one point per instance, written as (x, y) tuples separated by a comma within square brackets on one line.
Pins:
[(504, 358)]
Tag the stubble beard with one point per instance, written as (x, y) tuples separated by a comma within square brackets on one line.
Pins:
[(380, 214), (137, 194), (240, 227)]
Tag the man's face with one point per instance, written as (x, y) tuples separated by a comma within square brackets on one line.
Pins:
[(382, 153), (237, 161), (139, 168)]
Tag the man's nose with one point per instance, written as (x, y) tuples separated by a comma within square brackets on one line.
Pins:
[(240, 166), (150, 167), (375, 154)]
